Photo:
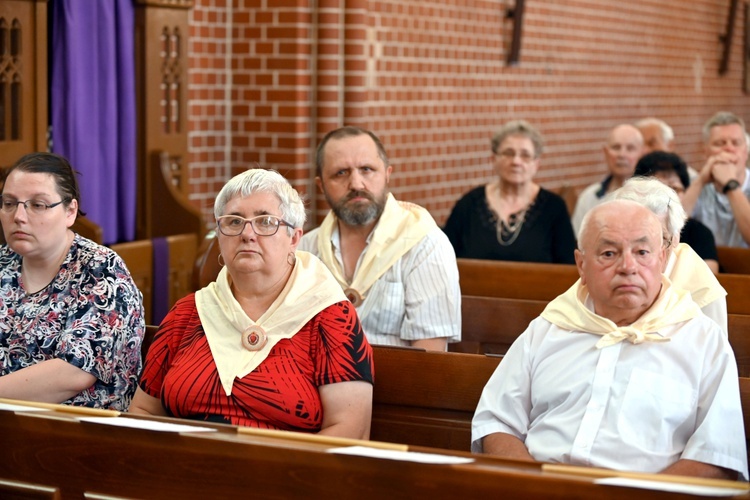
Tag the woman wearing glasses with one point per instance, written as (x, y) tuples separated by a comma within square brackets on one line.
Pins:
[(273, 342), (513, 218), (71, 318)]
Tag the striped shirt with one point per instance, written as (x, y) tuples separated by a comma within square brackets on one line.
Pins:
[(417, 298)]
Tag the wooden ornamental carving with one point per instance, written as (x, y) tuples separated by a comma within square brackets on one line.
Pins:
[(161, 73), (171, 85), (23, 78)]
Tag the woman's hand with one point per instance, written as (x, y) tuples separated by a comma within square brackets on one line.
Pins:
[(347, 409)]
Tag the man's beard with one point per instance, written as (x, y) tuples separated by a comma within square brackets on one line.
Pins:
[(358, 214)]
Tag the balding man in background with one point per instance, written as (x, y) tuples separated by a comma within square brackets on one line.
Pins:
[(622, 150)]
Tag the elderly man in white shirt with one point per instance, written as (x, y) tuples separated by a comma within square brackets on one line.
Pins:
[(393, 261), (622, 371)]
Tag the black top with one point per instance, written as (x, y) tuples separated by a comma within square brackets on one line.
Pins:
[(546, 234), (700, 238)]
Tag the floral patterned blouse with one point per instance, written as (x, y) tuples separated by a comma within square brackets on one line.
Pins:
[(90, 315)]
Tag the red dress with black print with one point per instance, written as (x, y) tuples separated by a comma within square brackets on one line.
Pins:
[(281, 393)]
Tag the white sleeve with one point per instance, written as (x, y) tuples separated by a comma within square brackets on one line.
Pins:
[(719, 438), (505, 404)]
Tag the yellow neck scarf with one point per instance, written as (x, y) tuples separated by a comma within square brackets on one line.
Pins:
[(401, 226), (672, 306), (687, 270), (309, 290)]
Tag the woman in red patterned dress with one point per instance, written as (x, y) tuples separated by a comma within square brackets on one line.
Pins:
[(273, 342)]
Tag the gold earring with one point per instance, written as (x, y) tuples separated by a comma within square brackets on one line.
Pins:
[(220, 259), (291, 258)]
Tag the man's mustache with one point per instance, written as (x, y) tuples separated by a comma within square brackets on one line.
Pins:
[(359, 194)]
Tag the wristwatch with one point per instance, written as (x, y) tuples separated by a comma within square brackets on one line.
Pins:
[(730, 186)]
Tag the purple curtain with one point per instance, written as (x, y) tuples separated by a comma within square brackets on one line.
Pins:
[(92, 98)]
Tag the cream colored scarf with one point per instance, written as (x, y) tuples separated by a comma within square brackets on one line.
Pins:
[(672, 306), (309, 290), (687, 270), (401, 226)]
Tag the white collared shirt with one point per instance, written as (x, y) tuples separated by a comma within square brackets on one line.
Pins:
[(625, 407), (417, 298)]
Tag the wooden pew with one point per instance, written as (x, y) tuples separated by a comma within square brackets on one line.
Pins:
[(139, 258), (739, 339), (427, 398), (491, 324), (535, 281), (734, 260), (94, 460)]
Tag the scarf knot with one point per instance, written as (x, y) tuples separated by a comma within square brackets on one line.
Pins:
[(629, 333)]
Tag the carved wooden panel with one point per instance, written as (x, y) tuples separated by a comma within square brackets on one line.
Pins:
[(23, 78), (161, 72)]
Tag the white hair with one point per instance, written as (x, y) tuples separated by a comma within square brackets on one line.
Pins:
[(258, 180), (667, 134), (657, 197)]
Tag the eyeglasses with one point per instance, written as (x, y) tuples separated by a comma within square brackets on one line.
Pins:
[(36, 207), (263, 225), (509, 154)]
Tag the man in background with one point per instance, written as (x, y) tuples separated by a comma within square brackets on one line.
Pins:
[(718, 197), (622, 150)]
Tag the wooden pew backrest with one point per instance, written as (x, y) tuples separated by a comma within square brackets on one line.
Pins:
[(515, 280), (139, 259), (739, 339), (734, 260), (492, 324), (524, 280), (427, 398), (206, 267)]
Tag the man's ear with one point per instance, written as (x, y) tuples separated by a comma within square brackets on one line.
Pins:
[(388, 174), (319, 183), (579, 264)]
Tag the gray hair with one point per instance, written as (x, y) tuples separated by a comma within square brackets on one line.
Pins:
[(657, 197), (719, 120), (518, 127), (258, 180), (667, 134)]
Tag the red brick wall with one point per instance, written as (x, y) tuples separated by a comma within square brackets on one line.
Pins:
[(430, 78)]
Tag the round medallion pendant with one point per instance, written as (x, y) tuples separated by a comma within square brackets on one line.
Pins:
[(353, 296), (254, 338)]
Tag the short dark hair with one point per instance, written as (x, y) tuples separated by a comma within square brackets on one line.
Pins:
[(341, 133), (662, 161), (58, 167)]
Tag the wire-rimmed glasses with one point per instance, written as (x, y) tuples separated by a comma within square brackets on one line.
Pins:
[(263, 225), (36, 207)]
